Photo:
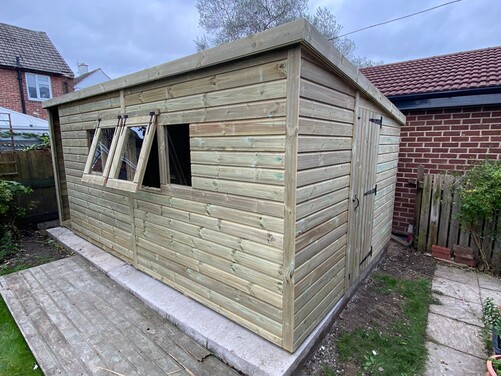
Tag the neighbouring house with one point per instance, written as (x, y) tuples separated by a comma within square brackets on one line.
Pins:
[(453, 108), (241, 176), (86, 78), (31, 70)]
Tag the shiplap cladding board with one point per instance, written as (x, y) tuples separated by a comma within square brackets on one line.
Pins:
[(99, 214), (324, 156), (222, 241)]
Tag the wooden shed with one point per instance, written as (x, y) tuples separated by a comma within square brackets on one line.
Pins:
[(257, 177)]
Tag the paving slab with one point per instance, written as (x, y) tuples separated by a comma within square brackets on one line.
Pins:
[(469, 292), (495, 295), (444, 361), (455, 334), (457, 309), (489, 282), (460, 275), (77, 321)]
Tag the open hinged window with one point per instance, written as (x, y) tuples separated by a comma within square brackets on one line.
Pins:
[(101, 150), (118, 156)]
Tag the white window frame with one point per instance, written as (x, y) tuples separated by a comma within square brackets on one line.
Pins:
[(109, 176), (37, 86)]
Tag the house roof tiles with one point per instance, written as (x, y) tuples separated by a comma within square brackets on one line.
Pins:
[(34, 48), (459, 71)]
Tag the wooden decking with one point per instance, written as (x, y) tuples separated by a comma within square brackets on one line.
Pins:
[(77, 321)]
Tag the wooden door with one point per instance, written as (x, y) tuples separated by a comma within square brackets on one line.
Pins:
[(363, 191)]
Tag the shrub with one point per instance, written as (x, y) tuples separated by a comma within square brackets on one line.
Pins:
[(481, 201), (10, 213)]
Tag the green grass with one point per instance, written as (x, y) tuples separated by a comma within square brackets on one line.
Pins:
[(15, 355), (8, 270), (400, 350)]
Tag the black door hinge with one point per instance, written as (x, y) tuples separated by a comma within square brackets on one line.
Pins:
[(372, 191), (366, 257), (377, 121)]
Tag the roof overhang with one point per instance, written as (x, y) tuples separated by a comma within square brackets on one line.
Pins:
[(447, 99), (295, 32)]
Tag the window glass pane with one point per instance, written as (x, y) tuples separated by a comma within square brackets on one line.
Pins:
[(179, 154), (152, 173), (44, 91), (102, 150), (43, 79), (132, 148), (32, 86)]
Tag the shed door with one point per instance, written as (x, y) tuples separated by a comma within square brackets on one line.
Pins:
[(364, 190)]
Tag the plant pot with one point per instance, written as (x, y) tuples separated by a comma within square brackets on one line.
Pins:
[(490, 369), (496, 343)]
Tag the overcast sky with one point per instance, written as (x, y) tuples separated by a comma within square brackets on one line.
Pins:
[(122, 36)]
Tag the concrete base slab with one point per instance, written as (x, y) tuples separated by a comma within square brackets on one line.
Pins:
[(443, 361), (232, 343), (455, 334), (457, 309), (469, 292)]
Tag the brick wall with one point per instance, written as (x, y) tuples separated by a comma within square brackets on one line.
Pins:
[(442, 140), (10, 97)]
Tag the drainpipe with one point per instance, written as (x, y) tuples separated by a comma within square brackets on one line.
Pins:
[(20, 80)]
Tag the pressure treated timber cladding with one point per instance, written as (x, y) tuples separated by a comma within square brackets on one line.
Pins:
[(324, 159), (386, 176), (265, 234)]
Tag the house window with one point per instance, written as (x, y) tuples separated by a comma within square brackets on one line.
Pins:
[(38, 86)]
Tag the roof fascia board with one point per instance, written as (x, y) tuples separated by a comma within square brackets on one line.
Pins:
[(446, 102), (445, 94), (29, 70)]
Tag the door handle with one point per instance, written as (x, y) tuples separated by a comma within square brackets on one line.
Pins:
[(357, 201)]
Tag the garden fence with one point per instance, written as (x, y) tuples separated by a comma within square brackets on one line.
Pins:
[(437, 218), (32, 168)]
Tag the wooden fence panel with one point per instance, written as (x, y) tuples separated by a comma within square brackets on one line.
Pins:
[(34, 169), (439, 219)]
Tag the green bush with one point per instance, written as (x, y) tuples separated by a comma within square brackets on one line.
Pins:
[(10, 213), (481, 201)]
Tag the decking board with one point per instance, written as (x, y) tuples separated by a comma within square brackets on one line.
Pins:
[(79, 322)]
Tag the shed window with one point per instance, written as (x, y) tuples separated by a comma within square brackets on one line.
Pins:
[(38, 86), (119, 152), (179, 154)]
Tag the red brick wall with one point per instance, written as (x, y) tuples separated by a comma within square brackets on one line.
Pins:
[(442, 140), (10, 97)]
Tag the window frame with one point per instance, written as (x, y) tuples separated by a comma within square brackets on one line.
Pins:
[(37, 86), (94, 177), (109, 176), (114, 164)]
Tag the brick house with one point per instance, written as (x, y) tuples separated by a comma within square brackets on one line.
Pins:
[(453, 108), (31, 70)]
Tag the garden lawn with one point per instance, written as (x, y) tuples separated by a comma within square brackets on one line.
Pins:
[(397, 349), (15, 355)]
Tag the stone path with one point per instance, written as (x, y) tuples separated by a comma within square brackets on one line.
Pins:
[(455, 343), (77, 321)]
